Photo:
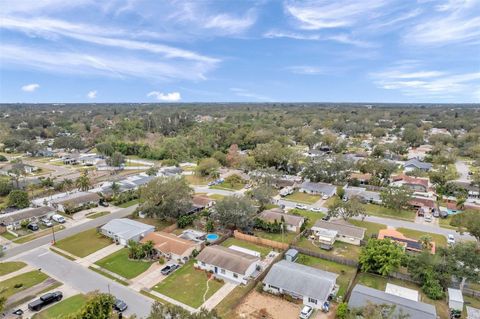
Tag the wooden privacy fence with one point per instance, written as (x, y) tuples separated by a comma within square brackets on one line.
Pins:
[(260, 241), (337, 259)]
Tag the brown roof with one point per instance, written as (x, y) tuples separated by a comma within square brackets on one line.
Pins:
[(411, 180), (273, 214), (201, 201), (342, 227), (422, 202), (84, 198), (226, 258), (169, 243), (361, 177)]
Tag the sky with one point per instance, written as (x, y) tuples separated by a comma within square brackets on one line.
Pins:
[(57, 51)]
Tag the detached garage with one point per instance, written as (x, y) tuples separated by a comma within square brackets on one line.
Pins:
[(123, 230)]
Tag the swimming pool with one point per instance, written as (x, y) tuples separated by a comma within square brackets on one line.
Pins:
[(212, 237)]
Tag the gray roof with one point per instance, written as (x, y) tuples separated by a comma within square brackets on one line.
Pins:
[(77, 198), (473, 313), (292, 252), (302, 280), (362, 192), (126, 228), (343, 228), (272, 215), (324, 188), (23, 214), (362, 295), (418, 164), (227, 258)]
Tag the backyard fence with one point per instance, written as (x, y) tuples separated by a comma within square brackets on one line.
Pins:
[(260, 241), (337, 259), (170, 228)]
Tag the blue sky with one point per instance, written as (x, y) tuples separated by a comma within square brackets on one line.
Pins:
[(232, 50)]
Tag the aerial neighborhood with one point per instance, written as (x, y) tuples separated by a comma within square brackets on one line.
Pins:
[(307, 215)]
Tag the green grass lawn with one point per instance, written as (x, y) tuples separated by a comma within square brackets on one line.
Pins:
[(263, 250), (119, 263), (380, 283), (311, 215), (216, 196), (84, 243), (287, 236), (371, 228), (197, 180), (10, 266), (96, 214), (63, 308), (346, 273), (382, 211), (229, 186), (440, 240), (8, 236), (38, 234), (26, 280), (445, 223), (158, 223), (188, 285), (302, 198), (129, 203), (340, 249)]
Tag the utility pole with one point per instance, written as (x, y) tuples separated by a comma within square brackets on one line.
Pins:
[(53, 234)]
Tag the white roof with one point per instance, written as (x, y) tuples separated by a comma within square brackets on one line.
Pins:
[(126, 228), (402, 292), (455, 294), (245, 250)]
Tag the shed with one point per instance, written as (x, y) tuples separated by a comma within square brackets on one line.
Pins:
[(291, 255), (455, 299), (473, 313)]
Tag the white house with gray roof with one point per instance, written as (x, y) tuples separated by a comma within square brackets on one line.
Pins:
[(415, 163), (123, 230), (361, 296), (343, 231), (318, 188), (312, 285)]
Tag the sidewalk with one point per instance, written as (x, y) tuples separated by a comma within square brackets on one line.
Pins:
[(149, 278), (173, 301), (100, 254), (218, 296)]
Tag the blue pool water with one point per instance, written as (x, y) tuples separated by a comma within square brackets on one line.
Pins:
[(212, 237), (453, 211)]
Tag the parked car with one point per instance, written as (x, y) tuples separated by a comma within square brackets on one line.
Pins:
[(103, 203), (33, 226), (120, 305), (325, 197), (300, 206), (45, 300), (58, 218), (17, 312), (306, 312), (169, 269), (316, 209), (326, 218), (450, 239), (47, 223), (428, 218)]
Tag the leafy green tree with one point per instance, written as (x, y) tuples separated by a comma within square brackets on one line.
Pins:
[(3, 158), (152, 171), (262, 194), (115, 187), (377, 311), (162, 311), (234, 211), (106, 149), (396, 197), (463, 261), (208, 167), (412, 135), (340, 191), (98, 306), (116, 160), (328, 170), (166, 197), (381, 256), (346, 210), (83, 182), (468, 220), (431, 285), (220, 157), (5, 187), (272, 154), (426, 242), (18, 198)]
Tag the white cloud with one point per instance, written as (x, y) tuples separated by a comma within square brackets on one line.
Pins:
[(305, 69), (30, 87), (165, 97), (341, 38), (230, 24), (92, 94)]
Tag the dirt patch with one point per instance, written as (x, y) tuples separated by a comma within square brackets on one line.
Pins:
[(266, 306)]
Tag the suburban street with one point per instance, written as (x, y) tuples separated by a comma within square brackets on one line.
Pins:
[(84, 280), (29, 246), (462, 169)]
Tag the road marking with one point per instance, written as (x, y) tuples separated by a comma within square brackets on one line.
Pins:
[(46, 253)]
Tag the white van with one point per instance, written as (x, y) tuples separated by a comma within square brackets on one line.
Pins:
[(58, 218)]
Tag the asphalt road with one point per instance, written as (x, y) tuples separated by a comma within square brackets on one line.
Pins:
[(14, 251), (84, 280), (462, 169)]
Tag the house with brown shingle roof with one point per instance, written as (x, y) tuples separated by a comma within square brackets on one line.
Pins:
[(75, 200), (229, 264), (172, 247), (292, 222), (416, 184)]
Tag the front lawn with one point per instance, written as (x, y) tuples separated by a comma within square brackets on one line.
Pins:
[(229, 186), (158, 223), (216, 196), (84, 243), (63, 308), (10, 266), (94, 215), (371, 228), (226, 307), (23, 281), (188, 285), (287, 236), (382, 211), (263, 250), (38, 234), (346, 273), (311, 215), (301, 197), (129, 203), (339, 249), (439, 240), (8, 236), (197, 180), (119, 263)]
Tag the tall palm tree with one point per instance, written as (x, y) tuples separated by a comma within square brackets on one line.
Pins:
[(115, 188), (83, 182), (426, 242)]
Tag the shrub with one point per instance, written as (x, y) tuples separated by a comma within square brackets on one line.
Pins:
[(16, 286), (186, 220), (342, 311)]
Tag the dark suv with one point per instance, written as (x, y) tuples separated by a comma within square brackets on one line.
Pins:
[(33, 226), (120, 305), (45, 300)]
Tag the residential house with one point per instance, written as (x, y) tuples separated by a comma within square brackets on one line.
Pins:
[(229, 264), (419, 152), (199, 203), (291, 255), (362, 179), (361, 296), (293, 223), (123, 230), (362, 194), (14, 219), (423, 203), (408, 244), (346, 232), (172, 247), (455, 299), (75, 201), (473, 313), (416, 184), (415, 163), (318, 188), (312, 285)]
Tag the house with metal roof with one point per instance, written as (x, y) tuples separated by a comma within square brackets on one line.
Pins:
[(362, 194), (345, 231), (361, 296), (318, 188), (312, 285), (415, 163), (123, 230), (230, 264)]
